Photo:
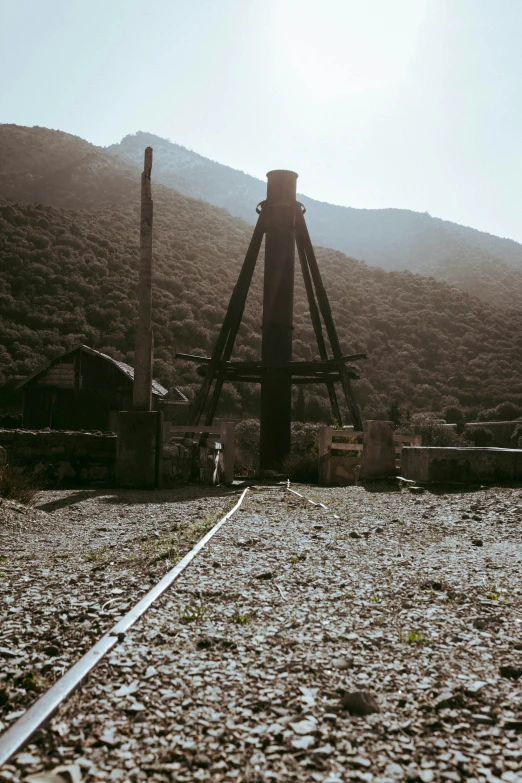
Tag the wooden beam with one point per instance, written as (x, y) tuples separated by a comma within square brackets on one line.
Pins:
[(189, 357), (318, 329), (232, 372), (296, 380)]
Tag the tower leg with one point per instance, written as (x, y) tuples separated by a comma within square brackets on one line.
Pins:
[(227, 335), (316, 323), (324, 306), (247, 273)]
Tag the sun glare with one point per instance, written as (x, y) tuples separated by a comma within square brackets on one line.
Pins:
[(342, 47)]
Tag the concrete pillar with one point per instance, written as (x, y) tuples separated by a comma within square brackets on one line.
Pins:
[(278, 307), (378, 457), (139, 450), (461, 465)]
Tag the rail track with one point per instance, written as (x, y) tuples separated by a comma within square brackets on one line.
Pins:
[(245, 668), (18, 735)]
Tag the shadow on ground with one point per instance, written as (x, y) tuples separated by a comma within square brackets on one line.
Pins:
[(127, 497)]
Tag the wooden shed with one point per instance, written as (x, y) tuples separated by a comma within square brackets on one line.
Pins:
[(84, 389)]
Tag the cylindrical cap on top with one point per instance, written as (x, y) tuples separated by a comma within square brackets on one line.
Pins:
[(281, 185)]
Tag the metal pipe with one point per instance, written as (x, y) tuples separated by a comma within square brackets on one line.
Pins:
[(278, 306), (144, 340)]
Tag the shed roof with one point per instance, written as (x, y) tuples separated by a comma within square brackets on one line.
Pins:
[(157, 389)]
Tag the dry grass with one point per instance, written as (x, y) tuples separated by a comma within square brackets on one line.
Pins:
[(174, 546), (302, 468), (17, 485)]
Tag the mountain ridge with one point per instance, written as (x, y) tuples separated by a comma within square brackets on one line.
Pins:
[(475, 261)]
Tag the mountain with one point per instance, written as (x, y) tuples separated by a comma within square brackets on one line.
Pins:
[(481, 264), (51, 167), (68, 274)]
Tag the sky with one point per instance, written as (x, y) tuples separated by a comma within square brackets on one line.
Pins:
[(413, 104)]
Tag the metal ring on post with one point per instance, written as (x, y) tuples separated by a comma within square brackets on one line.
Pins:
[(260, 206), (303, 208)]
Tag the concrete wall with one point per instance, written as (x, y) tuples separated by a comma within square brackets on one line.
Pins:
[(336, 471), (139, 448), (460, 465), (378, 456)]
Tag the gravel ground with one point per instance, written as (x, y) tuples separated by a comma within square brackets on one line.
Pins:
[(74, 563), (377, 640)]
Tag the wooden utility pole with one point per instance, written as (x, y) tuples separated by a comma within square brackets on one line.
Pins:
[(140, 431), (144, 341)]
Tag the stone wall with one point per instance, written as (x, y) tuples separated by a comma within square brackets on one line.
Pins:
[(68, 457), (461, 465), (178, 462), (90, 457), (188, 461)]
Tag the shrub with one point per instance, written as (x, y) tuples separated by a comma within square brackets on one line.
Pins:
[(453, 414), (301, 463), (305, 438), (16, 485), (479, 436), (507, 411), (432, 431)]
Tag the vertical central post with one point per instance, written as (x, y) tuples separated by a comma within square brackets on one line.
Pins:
[(278, 308)]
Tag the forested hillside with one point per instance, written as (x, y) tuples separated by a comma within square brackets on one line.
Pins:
[(481, 264), (69, 277), (51, 167)]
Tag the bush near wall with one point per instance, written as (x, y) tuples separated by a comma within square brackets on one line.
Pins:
[(300, 465)]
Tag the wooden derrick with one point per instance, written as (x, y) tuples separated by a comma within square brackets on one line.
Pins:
[(284, 217)]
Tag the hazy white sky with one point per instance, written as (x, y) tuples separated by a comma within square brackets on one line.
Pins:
[(376, 103)]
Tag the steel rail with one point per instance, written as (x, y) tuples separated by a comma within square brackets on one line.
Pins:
[(39, 713), (313, 502)]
